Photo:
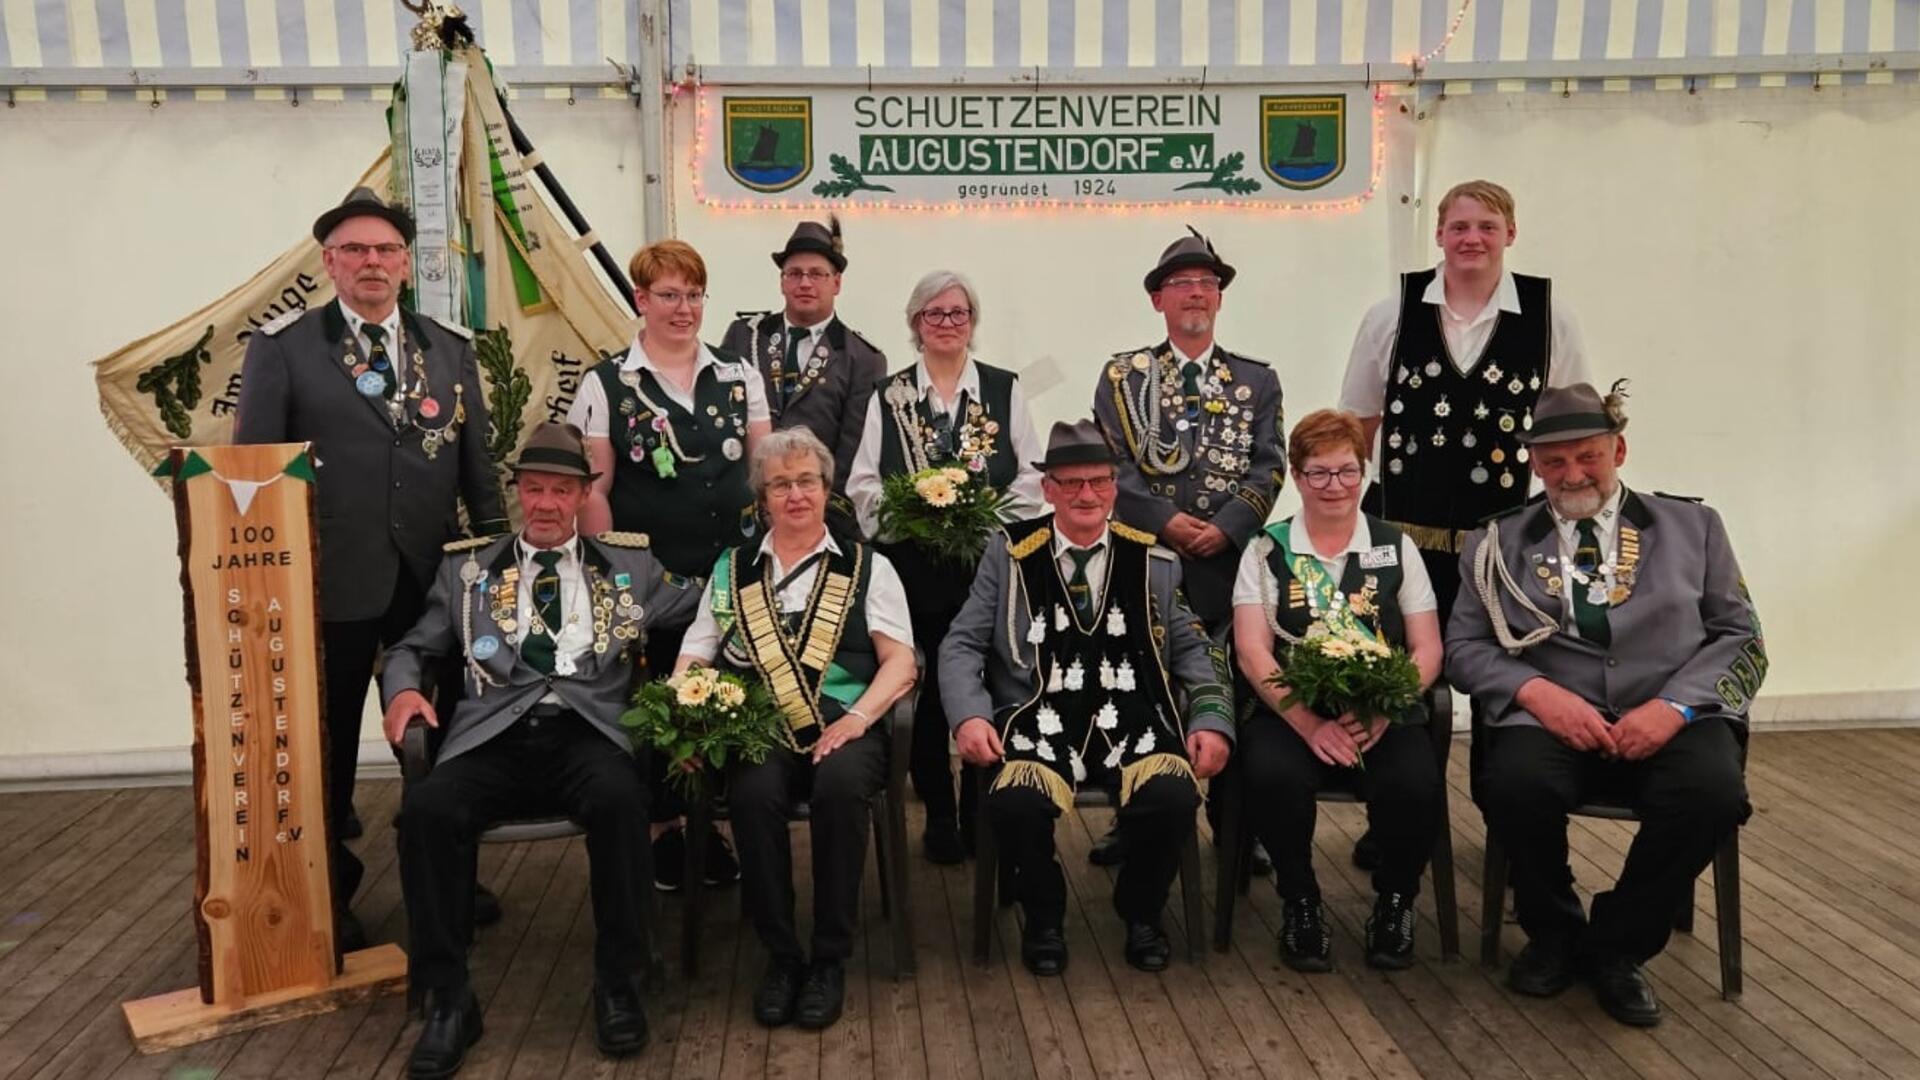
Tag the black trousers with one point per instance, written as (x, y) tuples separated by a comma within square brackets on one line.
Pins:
[(350, 649), (1689, 796), (1155, 825), (936, 591), (1400, 784), (838, 791), (533, 767)]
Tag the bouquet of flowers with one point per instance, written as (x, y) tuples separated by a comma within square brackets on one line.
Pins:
[(949, 512), (704, 715), (1346, 671)]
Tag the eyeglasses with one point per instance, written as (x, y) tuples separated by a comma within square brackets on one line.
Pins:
[(1099, 485), (1349, 476), (797, 275), (673, 297), (361, 251), (1199, 284), (939, 317), (805, 485)]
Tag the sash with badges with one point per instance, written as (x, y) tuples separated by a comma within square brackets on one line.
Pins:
[(1312, 584), (796, 663)]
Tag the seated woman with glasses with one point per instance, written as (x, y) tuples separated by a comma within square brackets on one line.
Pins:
[(946, 409), (1333, 565), (668, 424)]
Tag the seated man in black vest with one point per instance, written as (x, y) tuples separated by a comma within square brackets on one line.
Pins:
[(546, 624), (824, 623), (1063, 668)]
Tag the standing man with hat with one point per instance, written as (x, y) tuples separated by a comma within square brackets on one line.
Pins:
[(819, 371), (1069, 665), (1199, 430), (1610, 638), (391, 402), (545, 625)]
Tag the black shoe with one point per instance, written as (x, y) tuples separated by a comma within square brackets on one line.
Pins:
[(1043, 950), (722, 868), (1366, 852), (942, 842), (1623, 991), (348, 934), (351, 829), (1543, 969), (670, 860), (1305, 944), (452, 1025), (773, 999), (821, 995), (1390, 932), (1147, 946), (486, 906), (619, 1025), (1109, 850)]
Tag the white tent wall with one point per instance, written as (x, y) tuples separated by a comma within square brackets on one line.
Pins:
[(1744, 256)]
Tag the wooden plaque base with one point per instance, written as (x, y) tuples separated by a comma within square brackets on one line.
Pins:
[(167, 1021)]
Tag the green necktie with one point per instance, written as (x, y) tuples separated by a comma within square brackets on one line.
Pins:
[(1590, 617), (790, 375), (1078, 588), (377, 357), (537, 649), (1190, 386)]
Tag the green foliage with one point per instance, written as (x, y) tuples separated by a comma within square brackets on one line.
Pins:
[(705, 716), (175, 385), (1335, 674), (1226, 177), (851, 180), (508, 390), (947, 512)]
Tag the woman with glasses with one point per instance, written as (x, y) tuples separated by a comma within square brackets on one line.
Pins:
[(1331, 558), (946, 409), (669, 423)]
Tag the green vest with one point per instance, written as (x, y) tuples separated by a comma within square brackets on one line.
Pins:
[(706, 505)]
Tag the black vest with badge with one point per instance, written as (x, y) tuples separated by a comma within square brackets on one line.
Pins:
[(1450, 452), (1377, 586), (816, 662), (979, 428), (1105, 705), (705, 505)]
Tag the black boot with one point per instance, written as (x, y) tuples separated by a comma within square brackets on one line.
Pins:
[(452, 1025), (619, 1025), (1147, 946), (773, 999), (1623, 991), (1043, 950), (1543, 969), (822, 995)]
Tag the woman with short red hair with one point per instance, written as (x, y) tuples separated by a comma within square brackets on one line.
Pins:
[(1330, 557)]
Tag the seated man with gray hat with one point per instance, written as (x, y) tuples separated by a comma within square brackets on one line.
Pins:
[(1611, 641), (546, 624), (1076, 661)]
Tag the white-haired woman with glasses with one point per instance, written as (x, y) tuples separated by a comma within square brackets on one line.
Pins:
[(946, 409), (1330, 557)]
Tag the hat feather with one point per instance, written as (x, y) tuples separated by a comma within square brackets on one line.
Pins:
[(1615, 403)]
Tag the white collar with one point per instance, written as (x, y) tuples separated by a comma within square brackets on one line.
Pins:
[(969, 383), (811, 331), (1182, 359), (391, 323), (637, 358), (826, 544), (569, 551), (1506, 295), (1301, 541), (1062, 545), (1603, 518)]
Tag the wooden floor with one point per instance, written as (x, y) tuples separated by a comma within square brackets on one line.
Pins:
[(94, 887)]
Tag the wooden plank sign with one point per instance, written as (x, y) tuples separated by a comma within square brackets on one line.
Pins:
[(263, 907)]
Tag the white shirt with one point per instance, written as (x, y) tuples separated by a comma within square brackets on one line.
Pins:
[(1364, 390), (1182, 359), (864, 481), (1606, 525), (357, 326), (1255, 581), (591, 413), (885, 606), (1096, 566), (575, 636)]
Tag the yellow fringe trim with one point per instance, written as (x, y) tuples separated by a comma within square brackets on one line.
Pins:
[(1030, 545), (1032, 774), (1127, 532), (1149, 767)]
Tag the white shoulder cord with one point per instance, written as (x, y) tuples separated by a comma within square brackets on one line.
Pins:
[(1270, 589), (1487, 562)]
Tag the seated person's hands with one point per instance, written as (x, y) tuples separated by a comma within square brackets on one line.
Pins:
[(406, 705), (978, 743), (1208, 750)]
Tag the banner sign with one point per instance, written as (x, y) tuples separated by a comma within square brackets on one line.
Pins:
[(963, 147)]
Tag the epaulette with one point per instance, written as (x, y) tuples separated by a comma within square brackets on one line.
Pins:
[(625, 539), (1243, 359), (1158, 551), (470, 543), (1034, 541), (1127, 532), (280, 323), (461, 332), (1681, 498), (861, 338)]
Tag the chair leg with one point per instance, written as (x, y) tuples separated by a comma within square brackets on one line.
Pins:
[(699, 820), (986, 868), (888, 826), (1446, 910), (1190, 893), (1493, 901), (1726, 894), (1683, 919), (882, 851), (1230, 855)]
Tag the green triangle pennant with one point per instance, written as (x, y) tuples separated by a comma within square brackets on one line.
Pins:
[(194, 466), (301, 467)]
